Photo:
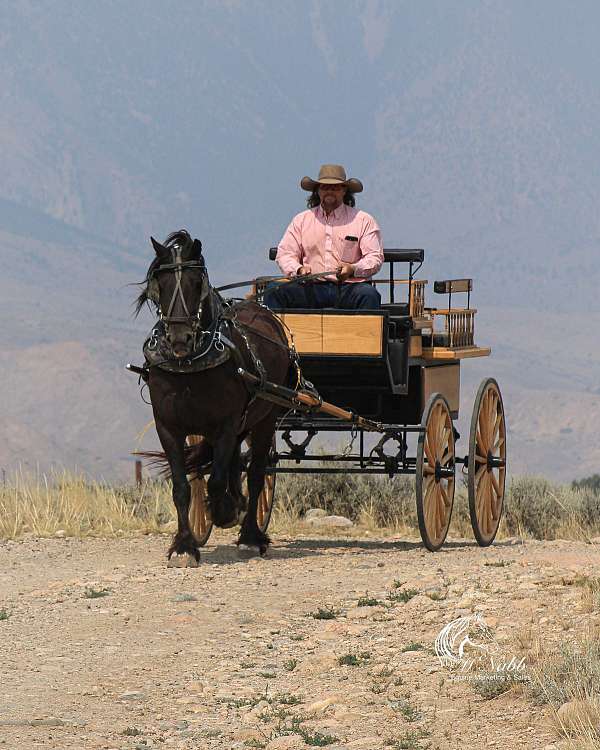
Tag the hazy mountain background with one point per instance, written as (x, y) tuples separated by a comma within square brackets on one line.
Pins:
[(474, 126)]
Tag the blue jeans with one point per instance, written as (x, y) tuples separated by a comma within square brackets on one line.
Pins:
[(317, 295)]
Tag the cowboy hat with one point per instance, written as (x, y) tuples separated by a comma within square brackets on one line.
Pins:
[(331, 174)]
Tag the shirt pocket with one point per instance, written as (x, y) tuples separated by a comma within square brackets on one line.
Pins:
[(350, 250)]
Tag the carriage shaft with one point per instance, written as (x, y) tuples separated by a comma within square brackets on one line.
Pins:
[(304, 401)]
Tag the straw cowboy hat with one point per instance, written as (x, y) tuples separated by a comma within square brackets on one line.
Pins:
[(332, 174)]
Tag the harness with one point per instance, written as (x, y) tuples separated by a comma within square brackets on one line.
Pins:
[(214, 345)]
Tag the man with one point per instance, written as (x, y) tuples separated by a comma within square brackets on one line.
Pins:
[(331, 235)]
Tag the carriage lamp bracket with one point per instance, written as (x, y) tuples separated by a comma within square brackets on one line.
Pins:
[(391, 463), (298, 450)]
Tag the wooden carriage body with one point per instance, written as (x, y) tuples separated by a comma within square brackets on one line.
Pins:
[(385, 364)]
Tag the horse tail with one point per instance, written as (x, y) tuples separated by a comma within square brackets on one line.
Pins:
[(198, 456)]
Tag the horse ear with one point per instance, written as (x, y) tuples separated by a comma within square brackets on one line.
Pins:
[(197, 249), (158, 248)]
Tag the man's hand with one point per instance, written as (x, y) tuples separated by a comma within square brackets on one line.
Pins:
[(345, 271), (302, 271)]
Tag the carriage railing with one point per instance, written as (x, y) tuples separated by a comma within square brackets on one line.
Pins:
[(459, 326), (459, 322), (416, 294)]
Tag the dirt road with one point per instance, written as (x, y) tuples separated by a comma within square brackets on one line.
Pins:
[(326, 642)]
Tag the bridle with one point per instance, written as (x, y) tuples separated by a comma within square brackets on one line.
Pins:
[(177, 267)]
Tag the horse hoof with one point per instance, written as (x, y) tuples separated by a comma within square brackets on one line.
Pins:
[(182, 561)]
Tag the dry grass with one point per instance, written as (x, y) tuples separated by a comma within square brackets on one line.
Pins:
[(71, 505), (75, 506), (567, 678)]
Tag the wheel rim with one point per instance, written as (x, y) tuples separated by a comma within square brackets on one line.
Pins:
[(199, 515), (435, 473), (487, 462)]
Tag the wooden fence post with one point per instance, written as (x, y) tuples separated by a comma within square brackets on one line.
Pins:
[(138, 473)]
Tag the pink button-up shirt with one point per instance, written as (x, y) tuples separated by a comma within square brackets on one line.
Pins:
[(321, 241)]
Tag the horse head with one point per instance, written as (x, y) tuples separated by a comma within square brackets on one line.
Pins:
[(177, 283)]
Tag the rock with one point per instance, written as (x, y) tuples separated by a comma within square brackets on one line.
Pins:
[(132, 695), (291, 742), (60, 533), (365, 743), (50, 721), (348, 718), (195, 687), (320, 706), (314, 513), (331, 522), (578, 716), (358, 613), (317, 663), (245, 735)]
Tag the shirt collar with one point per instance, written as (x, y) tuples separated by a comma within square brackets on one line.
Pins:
[(337, 214)]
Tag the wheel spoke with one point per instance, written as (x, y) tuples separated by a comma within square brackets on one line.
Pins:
[(428, 454), (478, 475), (479, 442), (440, 514), (447, 458), (481, 488), (445, 443), (445, 497), (428, 469), (494, 482), (490, 505), (497, 424), (428, 505), (499, 443), (480, 459), (484, 423), (439, 431)]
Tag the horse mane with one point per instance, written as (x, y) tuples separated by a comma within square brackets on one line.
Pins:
[(182, 238)]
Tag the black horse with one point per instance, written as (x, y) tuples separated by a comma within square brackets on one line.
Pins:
[(193, 357)]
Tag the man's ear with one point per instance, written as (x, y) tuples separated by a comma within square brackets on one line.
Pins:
[(159, 249)]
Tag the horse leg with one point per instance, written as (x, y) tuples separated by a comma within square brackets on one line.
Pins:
[(184, 544), (235, 483), (222, 506), (261, 441)]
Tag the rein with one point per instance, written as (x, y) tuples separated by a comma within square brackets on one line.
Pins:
[(267, 279)]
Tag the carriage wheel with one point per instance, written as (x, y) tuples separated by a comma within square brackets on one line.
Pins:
[(487, 462), (200, 520), (435, 472), (266, 497)]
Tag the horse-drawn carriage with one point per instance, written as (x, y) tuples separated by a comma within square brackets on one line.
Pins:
[(395, 372)]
